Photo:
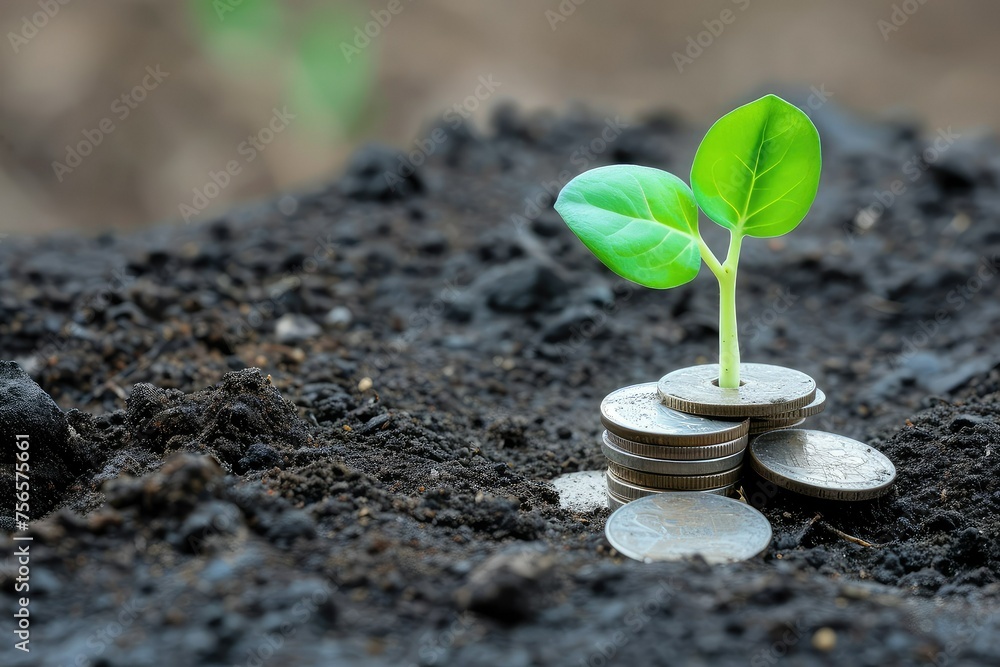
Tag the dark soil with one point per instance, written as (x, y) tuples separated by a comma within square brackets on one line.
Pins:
[(430, 356)]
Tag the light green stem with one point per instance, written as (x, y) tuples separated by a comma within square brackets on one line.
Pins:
[(729, 342), (729, 346)]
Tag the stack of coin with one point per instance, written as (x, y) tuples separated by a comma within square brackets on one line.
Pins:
[(653, 449), (685, 433)]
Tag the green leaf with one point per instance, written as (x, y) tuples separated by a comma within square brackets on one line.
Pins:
[(232, 29), (757, 169), (641, 222), (329, 90)]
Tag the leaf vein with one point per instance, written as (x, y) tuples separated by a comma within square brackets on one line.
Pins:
[(776, 200)]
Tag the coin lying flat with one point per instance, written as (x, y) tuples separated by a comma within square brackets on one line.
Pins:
[(631, 483), (581, 491), (822, 465), (679, 453), (668, 467), (631, 490), (760, 426), (637, 414), (817, 406), (675, 526), (764, 391)]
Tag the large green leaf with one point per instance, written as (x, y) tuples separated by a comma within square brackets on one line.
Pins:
[(757, 170), (641, 222)]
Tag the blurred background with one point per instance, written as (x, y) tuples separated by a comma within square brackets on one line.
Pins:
[(124, 113)]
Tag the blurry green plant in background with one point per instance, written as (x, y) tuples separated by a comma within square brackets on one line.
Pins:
[(297, 45)]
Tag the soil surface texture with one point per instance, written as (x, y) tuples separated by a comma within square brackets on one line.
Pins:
[(322, 430)]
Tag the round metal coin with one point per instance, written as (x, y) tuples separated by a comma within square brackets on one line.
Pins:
[(637, 414), (679, 453), (675, 526), (614, 502), (581, 491), (668, 467), (822, 465), (631, 490), (760, 426), (765, 391), (648, 481), (814, 408)]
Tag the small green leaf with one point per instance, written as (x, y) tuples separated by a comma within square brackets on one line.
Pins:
[(757, 169), (641, 222), (323, 84)]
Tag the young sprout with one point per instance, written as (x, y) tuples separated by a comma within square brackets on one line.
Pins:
[(755, 173)]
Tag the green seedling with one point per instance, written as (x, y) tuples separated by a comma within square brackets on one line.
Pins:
[(755, 173)]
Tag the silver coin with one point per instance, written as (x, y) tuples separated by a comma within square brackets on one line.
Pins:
[(761, 426), (822, 465), (624, 488), (614, 502), (581, 491), (676, 526), (639, 482), (637, 414), (668, 467), (765, 391), (678, 453), (814, 408)]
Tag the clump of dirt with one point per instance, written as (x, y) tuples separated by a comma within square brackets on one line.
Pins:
[(243, 421), (35, 442)]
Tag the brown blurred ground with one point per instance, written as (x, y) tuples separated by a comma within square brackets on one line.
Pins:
[(940, 66)]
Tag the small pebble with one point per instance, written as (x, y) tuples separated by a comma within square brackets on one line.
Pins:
[(293, 328), (339, 317), (288, 205), (824, 640)]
